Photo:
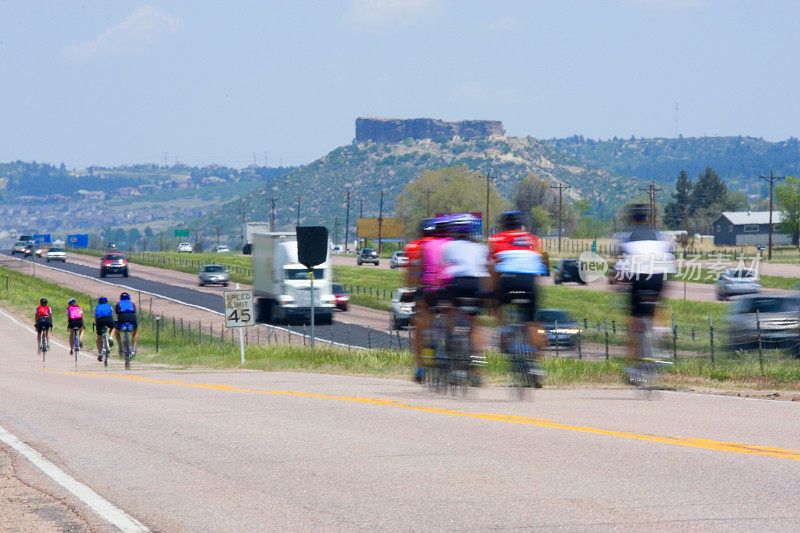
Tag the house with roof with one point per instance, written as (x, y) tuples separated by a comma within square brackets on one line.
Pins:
[(748, 228)]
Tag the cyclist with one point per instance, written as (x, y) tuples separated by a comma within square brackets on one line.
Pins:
[(43, 322), (74, 320), (126, 314), (517, 260), (645, 260), (103, 319), (414, 280), (464, 266)]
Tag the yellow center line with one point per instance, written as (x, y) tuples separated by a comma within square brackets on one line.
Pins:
[(733, 447)]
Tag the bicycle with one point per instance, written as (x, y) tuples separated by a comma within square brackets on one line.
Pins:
[(127, 351), (644, 376), (524, 370), (75, 344), (43, 344), (105, 346)]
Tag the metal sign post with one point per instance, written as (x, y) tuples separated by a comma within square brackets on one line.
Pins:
[(239, 312), (311, 275)]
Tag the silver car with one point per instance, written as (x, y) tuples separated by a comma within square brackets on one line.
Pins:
[(213, 274), (736, 282), (777, 323), (18, 247), (402, 308), (399, 260)]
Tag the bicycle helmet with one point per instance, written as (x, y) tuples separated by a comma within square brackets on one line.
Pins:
[(427, 226), (71, 301), (639, 213), (463, 225), (511, 220), (124, 296), (43, 301), (102, 300)]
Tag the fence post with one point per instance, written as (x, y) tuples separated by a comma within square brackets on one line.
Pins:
[(605, 320), (158, 329), (585, 326), (304, 334), (711, 337), (760, 344), (181, 326), (674, 339), (614, 327)]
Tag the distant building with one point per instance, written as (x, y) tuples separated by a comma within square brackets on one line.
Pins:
[(748, 228)]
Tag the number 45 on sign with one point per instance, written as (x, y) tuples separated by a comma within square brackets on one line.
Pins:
[(238, 309)]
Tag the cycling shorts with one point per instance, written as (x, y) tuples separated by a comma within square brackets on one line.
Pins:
[(645, 291), (74, 323), (433, 297), (464, 287), (126, 318), (131, 322), (102, 323), (516, 283), (43, 323)]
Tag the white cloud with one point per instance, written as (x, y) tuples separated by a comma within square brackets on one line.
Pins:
[(374, 15), (140, 33), (474, 92)]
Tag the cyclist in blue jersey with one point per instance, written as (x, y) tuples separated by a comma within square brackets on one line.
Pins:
[(126, 314), (104, 320)]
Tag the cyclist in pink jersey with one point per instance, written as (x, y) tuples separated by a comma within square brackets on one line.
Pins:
[(75, 320)]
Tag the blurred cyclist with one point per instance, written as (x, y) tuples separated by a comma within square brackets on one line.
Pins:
[(75, 320), (414, 280), (465, 266), (43, 322), (126, 314), (645, 260), (518, 260), (103, 319)]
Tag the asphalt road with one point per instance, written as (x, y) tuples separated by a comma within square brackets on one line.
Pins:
[(364, 333), (252, 451)]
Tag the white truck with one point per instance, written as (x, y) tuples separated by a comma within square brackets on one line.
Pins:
[(281, 285), (248, 230)]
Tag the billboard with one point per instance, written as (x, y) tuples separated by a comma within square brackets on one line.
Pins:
[(78, 240), (392, 228), (42, 238)]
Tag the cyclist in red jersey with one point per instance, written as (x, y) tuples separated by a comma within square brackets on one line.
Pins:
[(414, 279), (518, 260), (43, 321)]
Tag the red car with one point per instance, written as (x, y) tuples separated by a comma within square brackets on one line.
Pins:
[(342, 299), (113, 263)]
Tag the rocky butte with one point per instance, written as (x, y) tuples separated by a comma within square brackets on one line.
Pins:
[(393, 130)]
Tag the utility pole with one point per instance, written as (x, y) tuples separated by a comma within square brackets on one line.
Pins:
[(243, 205), (298, 210), (160, 241), (561, 188), (216, 228), (361, 208), (272, 216), (771, 179), (380, 226), (335, 230), (486, 213), (347, 221), (651, 190), (427, 193)]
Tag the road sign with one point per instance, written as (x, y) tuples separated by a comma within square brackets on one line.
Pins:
[(78, 240), (238, 308), (182, 233), (594, 247)]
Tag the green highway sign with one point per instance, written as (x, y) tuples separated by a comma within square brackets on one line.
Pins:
[(182, 233)]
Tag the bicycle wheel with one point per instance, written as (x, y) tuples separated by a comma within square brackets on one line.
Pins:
[(106, 349), (126, 350)]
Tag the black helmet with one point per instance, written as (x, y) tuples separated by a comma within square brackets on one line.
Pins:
[(124, 296), (427, 226), (511, 220), (71, 301), (638, 213), (43, 301)]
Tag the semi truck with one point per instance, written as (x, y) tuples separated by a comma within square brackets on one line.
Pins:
[(248, 230), (281, 285)]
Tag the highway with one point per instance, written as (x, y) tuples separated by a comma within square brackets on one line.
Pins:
[(363, 330), (181, 450)]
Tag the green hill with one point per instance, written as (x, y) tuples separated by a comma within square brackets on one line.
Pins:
[(368, 168)]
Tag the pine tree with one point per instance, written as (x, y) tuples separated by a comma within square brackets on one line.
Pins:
[(677, 212)]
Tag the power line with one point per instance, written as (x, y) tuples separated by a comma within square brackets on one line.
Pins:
[(771, 179), (561, 188)]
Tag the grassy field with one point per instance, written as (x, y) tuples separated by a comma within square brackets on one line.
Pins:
[(188, 348)]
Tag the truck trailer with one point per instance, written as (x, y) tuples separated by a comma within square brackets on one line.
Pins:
[(281, 285)]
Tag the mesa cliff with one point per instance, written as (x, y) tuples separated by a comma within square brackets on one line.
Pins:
[(393, 130)]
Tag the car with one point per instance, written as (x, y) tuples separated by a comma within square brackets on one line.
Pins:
[(402, 308), (56, 254), (341, 296), (185, 247), (18, 247), (31, 249), (777, 323), (113, 263), (223, 249), (736, 282), (568, 270), (558, 328), (213, 274), (399, 260), (368, 255)]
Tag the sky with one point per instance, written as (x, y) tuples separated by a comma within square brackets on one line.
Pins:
[(113, 82)]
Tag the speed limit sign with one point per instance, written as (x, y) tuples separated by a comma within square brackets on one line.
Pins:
[(238, 308)]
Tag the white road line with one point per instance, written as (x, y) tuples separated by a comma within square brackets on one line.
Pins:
[(181, 302), (105, 509)]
